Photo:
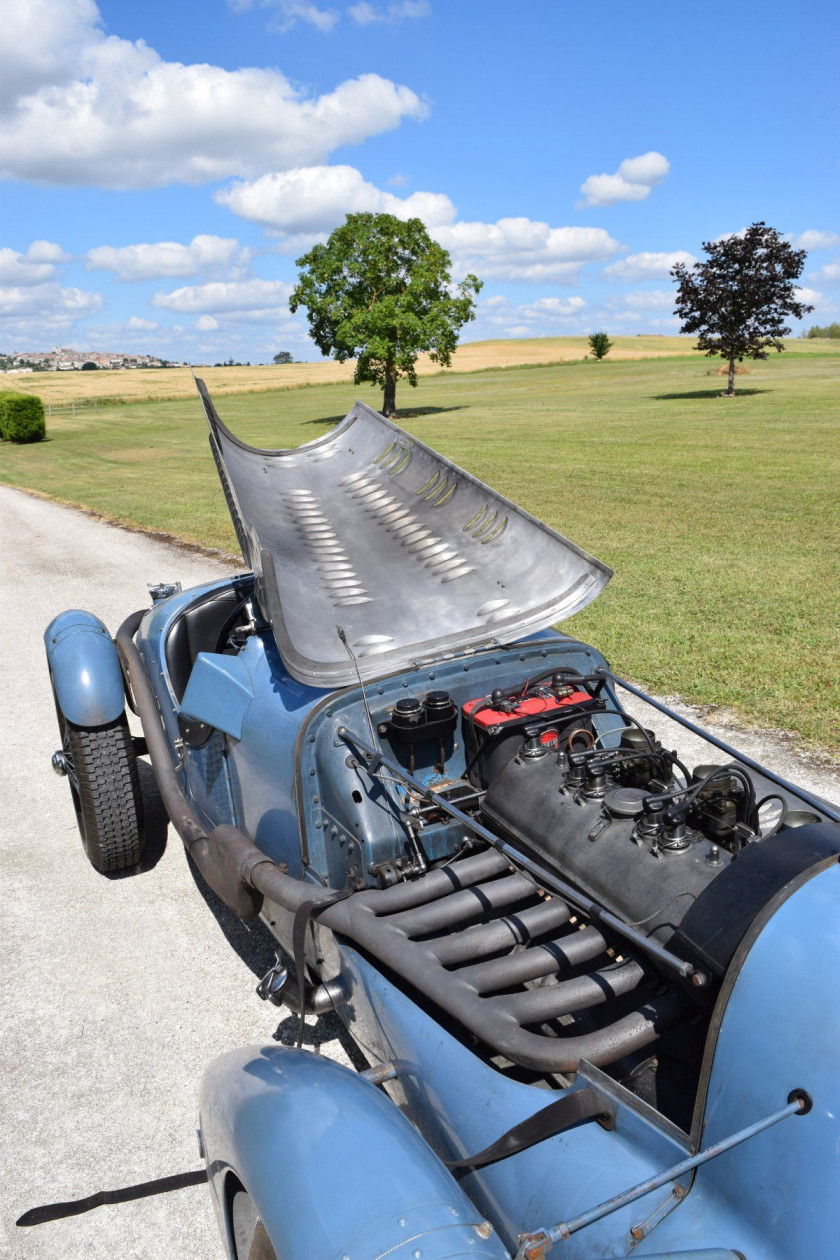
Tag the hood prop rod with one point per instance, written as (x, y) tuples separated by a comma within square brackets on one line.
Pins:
[(534, 1246), (373, 759)]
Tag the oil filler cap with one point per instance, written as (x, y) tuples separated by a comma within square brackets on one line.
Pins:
[(625, 802)]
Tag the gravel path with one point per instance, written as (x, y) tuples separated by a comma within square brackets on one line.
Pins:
[(117, 992)]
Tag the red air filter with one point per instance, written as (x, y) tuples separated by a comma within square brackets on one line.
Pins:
[(529, 707), (494, 728)]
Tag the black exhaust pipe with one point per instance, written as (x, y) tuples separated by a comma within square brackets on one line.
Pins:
[(242, 875), (226, 856)]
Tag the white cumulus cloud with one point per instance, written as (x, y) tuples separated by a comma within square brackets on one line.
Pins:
[(49, 298), (167, 258), (548, 316), (287, 13), (633, 181), (644, 300), (307, 202), (34, 267), (365, 14), (648, 265), (552, 308), (233, 296), (813, 239), (525, 249), (304, 204), (39, 312), (43, 41), (102, 110), (813, 297), (829, 274), (134, 329)]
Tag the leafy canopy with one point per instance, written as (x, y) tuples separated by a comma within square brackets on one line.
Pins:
[(600, 344), (380, 291), (737, 300)]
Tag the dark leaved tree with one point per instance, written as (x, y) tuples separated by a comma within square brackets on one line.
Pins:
[(380, 291), (283, 356), (737, 300), (600, 345)]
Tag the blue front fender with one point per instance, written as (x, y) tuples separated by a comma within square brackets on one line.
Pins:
[(332, 1165), (85, 669)]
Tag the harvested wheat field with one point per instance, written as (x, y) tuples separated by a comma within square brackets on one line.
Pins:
[(136, 385), (159, 384)]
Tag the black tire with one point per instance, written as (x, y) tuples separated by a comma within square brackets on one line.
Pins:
[(105, 786)]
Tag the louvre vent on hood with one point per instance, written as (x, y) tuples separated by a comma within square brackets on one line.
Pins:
[(368, 529)]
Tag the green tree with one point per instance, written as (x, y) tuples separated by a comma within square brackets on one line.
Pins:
[(283, 356), (831, 331), (600, 344), (737, 299), (381, 291)]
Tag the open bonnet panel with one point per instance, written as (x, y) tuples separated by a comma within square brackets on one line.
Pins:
[(369, 529)]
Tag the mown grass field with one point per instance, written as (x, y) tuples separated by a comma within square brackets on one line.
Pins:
[(135, 385), (720, 517)]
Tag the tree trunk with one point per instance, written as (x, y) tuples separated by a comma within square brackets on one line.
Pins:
[(730, 388), (389, 399)]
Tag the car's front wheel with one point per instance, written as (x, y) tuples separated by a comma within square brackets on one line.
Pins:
[(101, 767), (250, 1237)]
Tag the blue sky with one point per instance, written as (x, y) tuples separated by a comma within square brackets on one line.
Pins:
[(166, 163)]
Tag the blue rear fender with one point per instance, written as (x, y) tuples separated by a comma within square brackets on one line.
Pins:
[(333, 1166), (85, 669)]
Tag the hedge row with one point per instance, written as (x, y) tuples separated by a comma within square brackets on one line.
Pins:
[(21, 417)]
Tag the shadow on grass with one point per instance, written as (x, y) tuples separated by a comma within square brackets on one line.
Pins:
[(407, 413), (410, 413), (707, 393)]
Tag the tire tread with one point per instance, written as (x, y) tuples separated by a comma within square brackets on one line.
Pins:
[(110, 796)]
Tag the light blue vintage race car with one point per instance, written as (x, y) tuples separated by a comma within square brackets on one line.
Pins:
[(598, 988)]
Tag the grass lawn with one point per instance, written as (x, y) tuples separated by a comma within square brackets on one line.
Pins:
[(720, 517)]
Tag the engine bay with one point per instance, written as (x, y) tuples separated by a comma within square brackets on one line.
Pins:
[(555, 765), (531, 849)]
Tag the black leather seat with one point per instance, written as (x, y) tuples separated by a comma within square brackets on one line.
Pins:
[(199, 629)]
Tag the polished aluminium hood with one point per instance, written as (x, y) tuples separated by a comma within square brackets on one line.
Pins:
[(370, 532)]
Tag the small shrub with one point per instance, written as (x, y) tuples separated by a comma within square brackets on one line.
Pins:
[(4, 394), (21, 418), (600, 345)]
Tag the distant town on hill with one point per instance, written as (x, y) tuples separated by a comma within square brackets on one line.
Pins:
[(63, 359)]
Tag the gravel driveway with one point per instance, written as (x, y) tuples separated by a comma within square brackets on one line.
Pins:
[(117, 992)]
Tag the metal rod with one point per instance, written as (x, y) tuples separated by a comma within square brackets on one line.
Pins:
[(814, 801), (601, 916), (379, 1073), (564, 1229)]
